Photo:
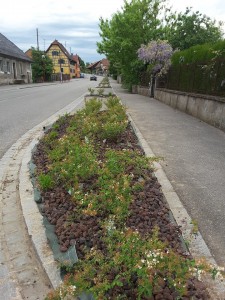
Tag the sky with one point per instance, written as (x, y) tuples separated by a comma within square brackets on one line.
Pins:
[(74, 23)]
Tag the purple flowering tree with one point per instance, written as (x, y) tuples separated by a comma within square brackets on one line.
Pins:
[(157, 56)]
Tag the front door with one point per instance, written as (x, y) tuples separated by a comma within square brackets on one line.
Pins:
[(14, 70)]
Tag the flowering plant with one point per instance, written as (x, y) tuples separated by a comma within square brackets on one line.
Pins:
[(157, 54)]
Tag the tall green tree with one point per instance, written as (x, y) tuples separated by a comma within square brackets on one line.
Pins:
[(42, 66), (184, 30), (82, 65), (137, 23)]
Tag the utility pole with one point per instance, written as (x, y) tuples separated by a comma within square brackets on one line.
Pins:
[(37, 40)]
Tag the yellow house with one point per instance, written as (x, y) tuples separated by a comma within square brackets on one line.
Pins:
[(63, 62)]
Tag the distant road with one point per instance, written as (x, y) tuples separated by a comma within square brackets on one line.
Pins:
[(24, 106)]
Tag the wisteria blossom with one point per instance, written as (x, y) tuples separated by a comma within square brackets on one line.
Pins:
[(157, 54)]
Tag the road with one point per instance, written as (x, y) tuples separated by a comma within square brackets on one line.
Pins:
[(24, 106)]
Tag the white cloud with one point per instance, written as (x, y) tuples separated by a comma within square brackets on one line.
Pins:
[(74, 22)]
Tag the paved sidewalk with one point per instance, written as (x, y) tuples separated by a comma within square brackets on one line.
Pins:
[(194, 159)]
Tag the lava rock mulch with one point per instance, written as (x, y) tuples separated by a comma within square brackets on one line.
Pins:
[(147, 210)]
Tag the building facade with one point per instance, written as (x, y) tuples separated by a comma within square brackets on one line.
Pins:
[(100, 67), (15, 66), (77, 66), (63, 62)]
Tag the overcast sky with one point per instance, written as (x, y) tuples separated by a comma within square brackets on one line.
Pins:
[(74, 23)]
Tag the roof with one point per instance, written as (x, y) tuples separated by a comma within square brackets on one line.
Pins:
[(63, 49), (92, 65), (104, 62), (7, 48), (76, 58)]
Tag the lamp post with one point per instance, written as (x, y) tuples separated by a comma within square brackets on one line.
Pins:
[(60, 66), (43, 66)]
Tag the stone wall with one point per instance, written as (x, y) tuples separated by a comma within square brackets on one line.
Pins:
[(210, 109), (14, 71), (141, 90)]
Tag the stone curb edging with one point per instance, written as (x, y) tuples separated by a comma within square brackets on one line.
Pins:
[(32, 216)]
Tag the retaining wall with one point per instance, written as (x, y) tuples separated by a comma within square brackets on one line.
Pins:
[(210, 109)]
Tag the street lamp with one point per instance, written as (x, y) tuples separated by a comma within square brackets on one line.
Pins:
[(60, 65), (43, 66)]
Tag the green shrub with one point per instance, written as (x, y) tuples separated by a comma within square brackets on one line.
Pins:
[(45, 181), (92, 106)]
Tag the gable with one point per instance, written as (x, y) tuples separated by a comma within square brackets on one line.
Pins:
[(9, 49)]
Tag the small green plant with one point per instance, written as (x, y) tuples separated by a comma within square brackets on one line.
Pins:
[(194, 229), (112, 101), (101, 92), (91, 91), (112, 130), (45, 181), (92, 106)]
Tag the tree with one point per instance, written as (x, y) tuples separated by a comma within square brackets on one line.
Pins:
[(136, 24), (157, 55), (42, 66), (82, 65), (184, 30)]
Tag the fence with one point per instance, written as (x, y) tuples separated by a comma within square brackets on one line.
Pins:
[(57, 77), (198, 78)]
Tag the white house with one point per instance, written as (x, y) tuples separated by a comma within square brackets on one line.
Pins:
[(15, 65)]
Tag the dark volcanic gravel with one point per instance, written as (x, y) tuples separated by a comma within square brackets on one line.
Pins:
[(147, 210)]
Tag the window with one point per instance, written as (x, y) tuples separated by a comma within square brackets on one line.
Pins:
[(8, 67), (55, 53), (1, 65), (21, 68), (61, 61)]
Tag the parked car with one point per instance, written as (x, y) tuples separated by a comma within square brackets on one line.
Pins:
[(93, 77), (81, 75)]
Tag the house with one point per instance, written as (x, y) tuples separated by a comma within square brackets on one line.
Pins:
[(15, 65), (29, 53), (63, 62), (100, 67), (77, 66)]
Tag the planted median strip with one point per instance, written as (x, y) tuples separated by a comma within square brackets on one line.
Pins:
[(100, 192)]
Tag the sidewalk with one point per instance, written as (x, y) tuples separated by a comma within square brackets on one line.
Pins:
[(194, 156)]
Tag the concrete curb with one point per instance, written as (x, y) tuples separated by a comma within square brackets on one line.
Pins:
[(34, 220)]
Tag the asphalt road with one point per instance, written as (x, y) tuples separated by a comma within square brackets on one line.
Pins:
[(24, 106), (194, 162)]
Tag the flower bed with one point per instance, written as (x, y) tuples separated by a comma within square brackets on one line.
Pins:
[(100, 192)]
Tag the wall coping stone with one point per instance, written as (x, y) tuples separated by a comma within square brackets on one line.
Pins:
[(203, 96)]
